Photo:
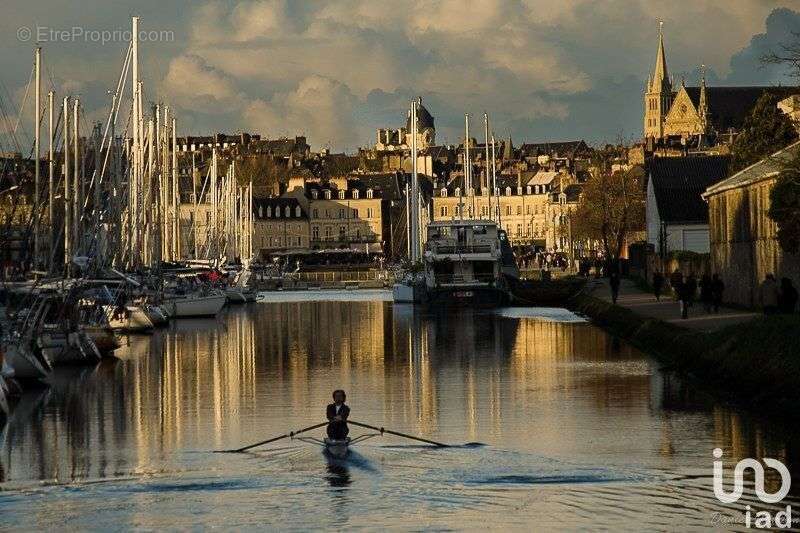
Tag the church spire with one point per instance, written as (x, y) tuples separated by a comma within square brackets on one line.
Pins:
[(661, 80), (702, 106)]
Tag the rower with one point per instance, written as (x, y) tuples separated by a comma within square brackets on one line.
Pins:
[(337, 414)]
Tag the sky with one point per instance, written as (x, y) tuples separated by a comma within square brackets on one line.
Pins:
[(336, 71)]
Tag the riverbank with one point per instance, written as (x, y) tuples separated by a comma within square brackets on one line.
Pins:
[(754, 361)]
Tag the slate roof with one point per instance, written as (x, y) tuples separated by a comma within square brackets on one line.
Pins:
[(424, 119), (679, 182), (764, 169), (558, 148), (729, 106)]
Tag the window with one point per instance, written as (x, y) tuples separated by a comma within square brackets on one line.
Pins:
[(315, 233), (314, 213), (458, 191), (457, 210), (315, 194), (288, 211), (328, 194), (299, 241), (327, 214), (341, 213), (261, 211), (369, 193), (327, 232), (508, 210), (269, 211), (519, 209), (519, 230), (508, 192), (277, 212), (528, 210), (355, 213), (528, 189), (297, 211), (341, 194), (443, 211), (443, 192), (370, 212), (355, 194), (484, 210), (342, 231), (358, 234)]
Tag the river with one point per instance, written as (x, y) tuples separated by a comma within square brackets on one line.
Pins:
[(556, 425)]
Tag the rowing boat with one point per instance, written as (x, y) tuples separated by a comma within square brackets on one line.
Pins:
[(338, 448)]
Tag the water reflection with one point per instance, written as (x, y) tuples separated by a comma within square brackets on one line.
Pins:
[(564, 391)]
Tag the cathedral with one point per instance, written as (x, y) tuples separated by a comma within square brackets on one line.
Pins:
[(696, 116)]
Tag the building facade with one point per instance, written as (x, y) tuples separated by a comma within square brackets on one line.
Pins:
[(744, 246), (345, 214)]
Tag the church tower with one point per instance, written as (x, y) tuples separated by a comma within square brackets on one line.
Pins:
[(658, 94)]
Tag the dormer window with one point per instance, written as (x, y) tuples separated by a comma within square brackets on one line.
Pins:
[(297, 211), (269, 211), (458, 191), (288, 211), (519, 191), (277, 212), (508, 191), (528, 189), (485, 191), (261, 211), (341, 194), (443, 192), (369, 194), (355, 194), (327, 194), (314, 194)]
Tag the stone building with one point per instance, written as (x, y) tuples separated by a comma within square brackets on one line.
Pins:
[(698, 116), (346, 214), (279, 224), (520, 206), (677, 216), (744, 247)]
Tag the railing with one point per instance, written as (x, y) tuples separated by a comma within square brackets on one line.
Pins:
[(459, 248), (446, 279)]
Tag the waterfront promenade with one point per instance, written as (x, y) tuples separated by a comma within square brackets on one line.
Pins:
[(645, 304)]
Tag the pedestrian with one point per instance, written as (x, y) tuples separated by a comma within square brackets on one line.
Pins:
[(676, 282), (658, 284), (768, 292), (613, 280), (687, 291), (717, 288), (706, 293), (787, 300)]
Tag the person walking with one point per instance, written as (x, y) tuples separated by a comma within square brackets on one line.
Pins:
[(706, 293), (676, 282), (787, 301), (768, 292), (658, 284), (613, 280), (687, 293), (717, 289)]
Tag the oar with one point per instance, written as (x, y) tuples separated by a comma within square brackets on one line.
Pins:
[(382, 430), (273, 439)]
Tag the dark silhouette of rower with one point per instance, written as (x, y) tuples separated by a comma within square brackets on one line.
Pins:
[(337, 414)]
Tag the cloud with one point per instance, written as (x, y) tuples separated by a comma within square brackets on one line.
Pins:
[(542, 68), (747, 67)]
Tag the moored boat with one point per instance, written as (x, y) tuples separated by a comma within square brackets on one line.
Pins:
[(196, 305)]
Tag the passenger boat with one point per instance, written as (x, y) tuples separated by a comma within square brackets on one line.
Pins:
[(337, 448), (464, 264)]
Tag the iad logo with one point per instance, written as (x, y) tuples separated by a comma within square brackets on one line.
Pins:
[(763, 518)]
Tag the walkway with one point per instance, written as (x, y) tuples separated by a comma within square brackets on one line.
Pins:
[(669, 310)]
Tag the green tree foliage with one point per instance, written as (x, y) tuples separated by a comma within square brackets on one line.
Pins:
[(785, 206), (611, 206), (765, 131)]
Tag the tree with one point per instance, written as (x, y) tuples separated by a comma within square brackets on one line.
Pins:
[(765, 131), (611, 207), (785, 205)]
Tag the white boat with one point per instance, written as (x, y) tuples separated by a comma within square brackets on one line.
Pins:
[(129, 318), (236, 295), (22, 363), (75, 348), (196, 305), (338, 448)]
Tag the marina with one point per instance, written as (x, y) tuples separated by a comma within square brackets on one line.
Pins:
[(532, 408)]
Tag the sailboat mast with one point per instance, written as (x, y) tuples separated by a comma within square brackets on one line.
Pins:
[(176, 245), (494, 185), (67, 195), (76, 200), (37, 158), (50, 184), (486, 160), (467, 164), (415, 223)]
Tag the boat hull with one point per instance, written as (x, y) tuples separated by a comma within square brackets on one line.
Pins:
[(21, 363), (132, 319), (198, 306), (474, 297), (338, 448)]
